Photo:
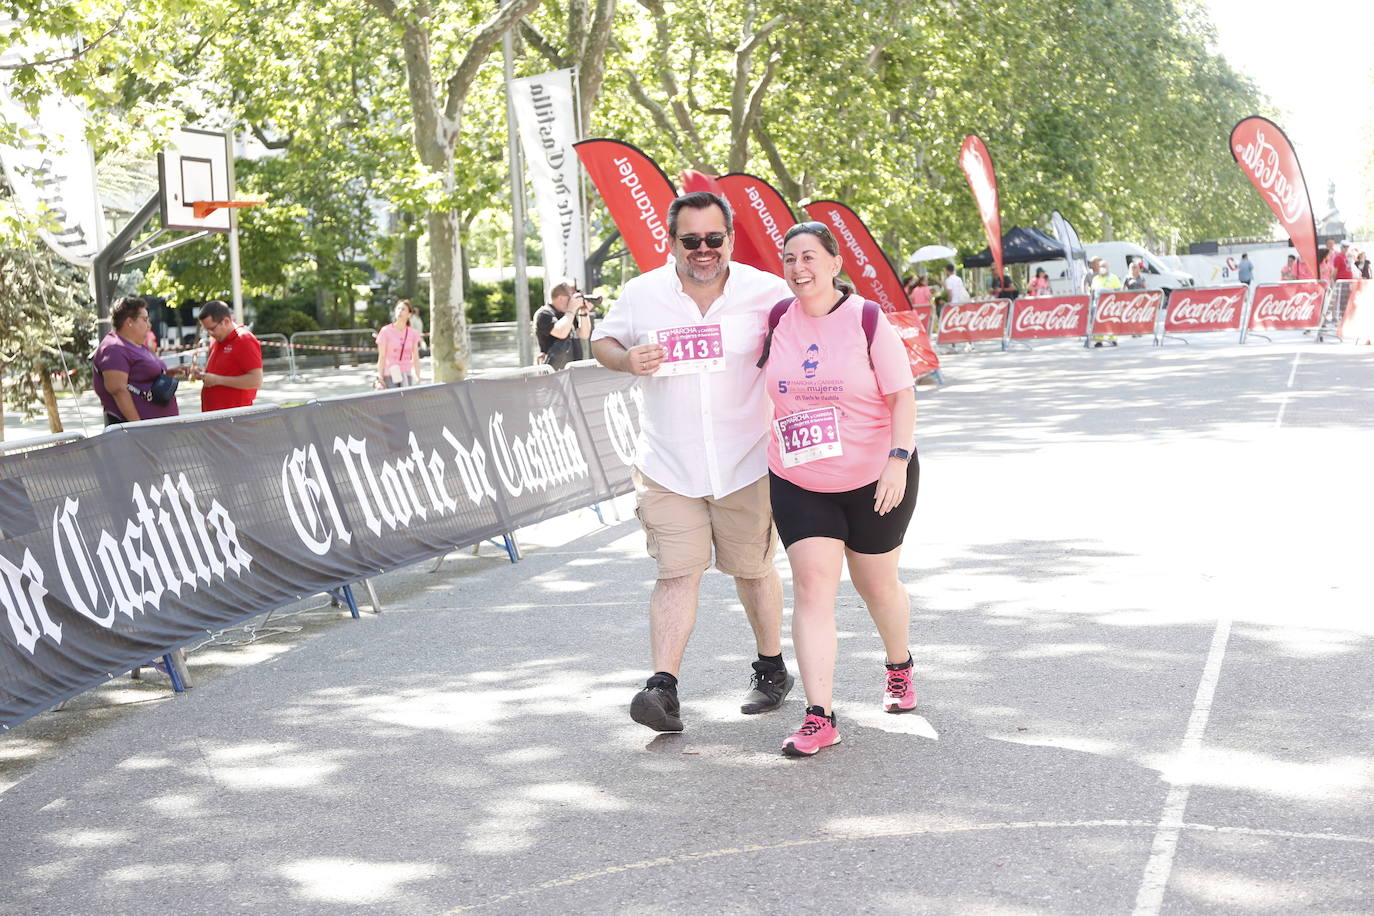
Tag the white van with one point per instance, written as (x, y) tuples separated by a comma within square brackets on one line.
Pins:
[(1118, 255)]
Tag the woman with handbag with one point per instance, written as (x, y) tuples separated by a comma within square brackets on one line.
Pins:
[(398, 350), (131, 383), (842, 470)]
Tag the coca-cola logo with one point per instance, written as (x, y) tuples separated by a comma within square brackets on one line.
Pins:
[(987, 316), (1266, 168), (1295, 307), (1128, 310), (1062, 317), (1219, 309)]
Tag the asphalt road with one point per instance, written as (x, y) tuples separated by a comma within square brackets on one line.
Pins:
[(1142, 625)]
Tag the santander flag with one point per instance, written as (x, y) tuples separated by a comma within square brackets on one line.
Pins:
[(744, 250), (761, 216), (976, 162), (637, 194), (875, 280), (864, 261), (1265, 155)]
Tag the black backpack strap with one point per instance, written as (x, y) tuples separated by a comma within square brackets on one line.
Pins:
[(774, 316)]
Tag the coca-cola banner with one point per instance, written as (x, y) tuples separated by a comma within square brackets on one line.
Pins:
[(971, 321), (1126, 311), (913, 326), (867, 266), (1208, 309), (1265, 155), (1357, 323), (1295, 306), (761, 216), (976, 162), (1046, 317), (117, 548), (637, 194)]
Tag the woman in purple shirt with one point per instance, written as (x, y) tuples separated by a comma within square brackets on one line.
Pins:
[(123, 362)]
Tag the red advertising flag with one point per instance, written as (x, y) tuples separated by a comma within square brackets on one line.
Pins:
[(1293, 306), (976, 162), (637, 194), (864, 261), (913, 326), (1127, 311), (1213, 309), (1265, 155), (970, 321), (745, 250), (761, 216), (1046, 317)]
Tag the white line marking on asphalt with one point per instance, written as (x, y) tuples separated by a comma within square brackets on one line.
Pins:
[(880, 834), (1283, 405), (1151, 895)]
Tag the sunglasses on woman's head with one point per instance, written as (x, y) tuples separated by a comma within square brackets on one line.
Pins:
[(693, 242)]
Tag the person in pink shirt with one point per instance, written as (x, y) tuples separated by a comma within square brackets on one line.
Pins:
[(842, 470), (1040, 286), (398, 350), (919, 292)]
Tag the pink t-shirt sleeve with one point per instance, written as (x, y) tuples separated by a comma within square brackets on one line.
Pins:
[(891, 365)]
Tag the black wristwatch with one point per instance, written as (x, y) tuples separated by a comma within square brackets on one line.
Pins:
[(901, 453)]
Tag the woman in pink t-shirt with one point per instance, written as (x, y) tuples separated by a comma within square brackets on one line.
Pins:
[(398, 350), (842, 471)]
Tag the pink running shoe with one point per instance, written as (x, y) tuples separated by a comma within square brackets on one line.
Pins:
[(817, 731), (900, 695)]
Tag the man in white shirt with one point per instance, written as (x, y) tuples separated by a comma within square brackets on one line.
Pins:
[(701, 463), (957, 291)]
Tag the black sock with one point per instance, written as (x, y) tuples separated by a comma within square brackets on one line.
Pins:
[(904, 665), (662, 679), (773, 661), (819, 711)]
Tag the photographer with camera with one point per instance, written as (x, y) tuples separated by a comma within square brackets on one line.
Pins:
[(131, 383), (563, 328)]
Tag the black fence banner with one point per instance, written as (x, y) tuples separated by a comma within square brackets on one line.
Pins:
[(118, 548)]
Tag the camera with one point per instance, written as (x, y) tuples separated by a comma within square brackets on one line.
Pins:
[(592, 300)]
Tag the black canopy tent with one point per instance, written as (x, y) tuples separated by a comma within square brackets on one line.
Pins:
[(1021, 246)]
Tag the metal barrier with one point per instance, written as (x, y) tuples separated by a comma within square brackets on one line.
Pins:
[(36, 442), (269, 340), (517, 371), (335, 348)]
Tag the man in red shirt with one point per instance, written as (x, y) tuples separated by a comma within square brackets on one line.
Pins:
[(1340, 263), (233, 373)]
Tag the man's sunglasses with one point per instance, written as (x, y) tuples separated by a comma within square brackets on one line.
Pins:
[(693, 242)]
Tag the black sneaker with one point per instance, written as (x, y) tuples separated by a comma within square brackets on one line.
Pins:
[(767, 688), (656, 707)]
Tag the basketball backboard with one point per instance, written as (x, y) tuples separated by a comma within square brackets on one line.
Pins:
[(195, 168)]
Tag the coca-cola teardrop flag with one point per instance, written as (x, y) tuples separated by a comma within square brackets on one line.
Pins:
[(762, 217), (864, 261), (1294, 306), (913, 326), (1357, 323), (1265, 155), (637, 194), (976, 162), (1211, 309)]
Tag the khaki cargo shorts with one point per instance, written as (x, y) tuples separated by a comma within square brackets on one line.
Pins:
[(681, 530)]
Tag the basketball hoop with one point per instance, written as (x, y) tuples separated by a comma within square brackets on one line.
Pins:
[(203, 208)]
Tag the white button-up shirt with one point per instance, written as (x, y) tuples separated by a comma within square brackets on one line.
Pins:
[(707, 434)]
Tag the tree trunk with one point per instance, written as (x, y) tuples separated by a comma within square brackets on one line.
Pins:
[(50, 401), (2, 404), (448, 331)]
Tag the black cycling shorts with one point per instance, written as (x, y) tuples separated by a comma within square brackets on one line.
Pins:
[(846, 516)]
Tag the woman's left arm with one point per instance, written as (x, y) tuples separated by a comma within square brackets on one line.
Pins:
[(891, 488)]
